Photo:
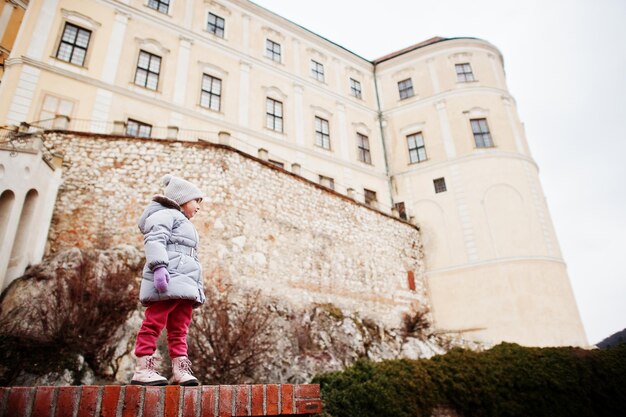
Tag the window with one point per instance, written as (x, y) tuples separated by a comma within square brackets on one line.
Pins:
[(54, 106), (317, 70), (405, 87), (74, 43), (401, 210), (363, 144), (274, 114), (464, 73), (417, 150), (355, 88), (327, 182), (482, 137), (272, 50), (148, 69), (211, 92), (322, 133), (370, 196), (138, 129), (440, 185), (215, 25), (159, 5), (277, 163)]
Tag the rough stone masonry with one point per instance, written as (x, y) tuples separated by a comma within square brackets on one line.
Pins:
[(260, 226)]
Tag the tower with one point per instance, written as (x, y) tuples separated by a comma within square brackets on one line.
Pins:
[(459, 162)]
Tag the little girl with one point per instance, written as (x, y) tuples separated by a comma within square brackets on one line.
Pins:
[(172, 280)]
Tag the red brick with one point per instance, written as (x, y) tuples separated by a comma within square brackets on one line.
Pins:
[(19, 401), (208, 401), (307, 391), (190, 399), (132, 398), (257, 400), (43, 402), (66, 401), (172, 398), (88, 401), (242, 404), (110, 398), (272, 400), (308, 406), (286, 398), (152, 401), (226, 400)]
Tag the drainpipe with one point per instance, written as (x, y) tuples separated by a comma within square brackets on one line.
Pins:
[(382, 136)]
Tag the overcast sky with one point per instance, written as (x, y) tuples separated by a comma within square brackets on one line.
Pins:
[(565, 62)]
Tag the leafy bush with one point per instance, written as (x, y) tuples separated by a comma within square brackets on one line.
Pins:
[(506, 381)]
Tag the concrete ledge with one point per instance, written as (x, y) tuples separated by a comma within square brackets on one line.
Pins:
[(173, 400)]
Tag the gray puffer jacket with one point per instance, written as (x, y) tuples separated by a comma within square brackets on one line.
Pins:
[(170, 239)]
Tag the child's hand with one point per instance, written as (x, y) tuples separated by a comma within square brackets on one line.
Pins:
[(161, 279)]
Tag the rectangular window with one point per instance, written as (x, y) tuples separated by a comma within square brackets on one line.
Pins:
[(274, 114), (417, 149), (440, 185), (52, 107), (159, 5), (272, 50), (322, 133), (363, 144), (327, 182), (405, 87), (317, 70), (464, 73), (138, 129), (482, 137), (277, 163), (211, 92), (370, 196), (148, 69), (401, 210), (216, 25), (355, 88), (74, 43)]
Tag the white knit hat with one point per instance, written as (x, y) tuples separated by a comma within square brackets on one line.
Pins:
[(180, 190)]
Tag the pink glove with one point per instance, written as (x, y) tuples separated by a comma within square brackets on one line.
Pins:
[(161, 279)]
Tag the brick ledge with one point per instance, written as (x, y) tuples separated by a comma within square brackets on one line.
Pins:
[(172, 400)]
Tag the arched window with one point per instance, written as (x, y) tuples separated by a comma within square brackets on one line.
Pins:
[(7, 198), (24, 228)]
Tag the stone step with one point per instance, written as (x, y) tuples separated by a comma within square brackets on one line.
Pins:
[(169, 401)]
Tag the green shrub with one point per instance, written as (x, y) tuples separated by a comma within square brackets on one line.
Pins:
[(506, 381)]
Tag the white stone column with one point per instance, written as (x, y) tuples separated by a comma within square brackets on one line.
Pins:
[(43, 29), (188, 19), (23, 97), (44, 217), (182, 71), (244, 93), (434, 78), (343, 132), (497, 71), (114, 50), (519, 145), (295, 47), (5, 17), (444, 124), (104, 98), (245, 32), (100, 112), (298, 91)]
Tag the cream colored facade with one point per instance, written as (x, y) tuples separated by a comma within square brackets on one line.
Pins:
[(495, 271)]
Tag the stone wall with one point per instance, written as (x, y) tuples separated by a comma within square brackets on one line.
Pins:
[(260, 227)]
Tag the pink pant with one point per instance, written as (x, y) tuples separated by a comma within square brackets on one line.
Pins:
[(176, 315)]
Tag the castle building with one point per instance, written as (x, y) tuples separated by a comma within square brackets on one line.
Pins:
[(429, 133)]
